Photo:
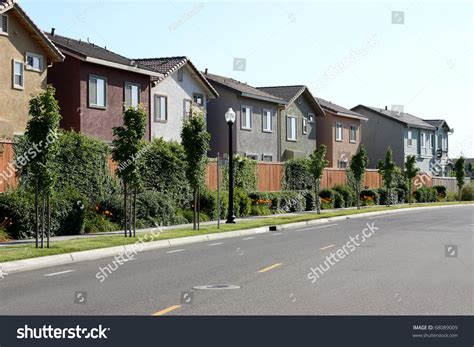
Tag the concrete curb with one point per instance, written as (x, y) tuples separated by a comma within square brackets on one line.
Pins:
[(94, 254)]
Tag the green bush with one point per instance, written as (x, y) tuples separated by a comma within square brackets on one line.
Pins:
[(245, 174), (383, 196), (452, 196), (98, 223), (338, 199), (467, 193), (327, 199), (291, 201), (369, 197), (441, 191), (208, 203), (347, 193), (310, 200), (17, 213), (155, 208), (260, 210), (242, 203), (425, 194), (296, 175)]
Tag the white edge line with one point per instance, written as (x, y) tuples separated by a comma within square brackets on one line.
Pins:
[(215, 244), (275, 234), (58, 273), (249, 238), (323, 226), (330, 246), (175, 251)]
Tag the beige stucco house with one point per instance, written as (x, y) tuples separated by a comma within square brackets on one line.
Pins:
[(25, 54)]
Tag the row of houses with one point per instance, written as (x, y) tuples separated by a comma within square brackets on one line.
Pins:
[(273, 123)]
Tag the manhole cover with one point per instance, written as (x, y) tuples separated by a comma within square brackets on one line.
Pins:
[(217, 287)]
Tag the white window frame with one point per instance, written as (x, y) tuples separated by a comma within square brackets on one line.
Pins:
[(187, 108), (198, 95), (432, 140), (248, 117), (181, 74), (345, 166), (157, 103), (267, 156), (33, 55), (131, 85), (252, 156), (310, 117), (410, 138), (22, 85), (92, 105), (423, 139), (339, 126), (4, 16), (304, 125), (289, 131), (267, 117), (353, 127)]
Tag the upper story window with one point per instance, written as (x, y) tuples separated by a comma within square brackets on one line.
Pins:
[(353, 133), (304, 126), (291, 128), (34, 62), (267, 157), (97, 92), (423, 139), (431, 140), (246, 117), (132, 94), (160, 112), (180, 74), (311, 117), (18, 75), (3, 24), (198, 99), (342, 164), (267, 121), (410, 138), (187, 103), (338, 131)]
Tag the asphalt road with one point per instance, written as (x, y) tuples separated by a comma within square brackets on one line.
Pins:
[(412, 263)]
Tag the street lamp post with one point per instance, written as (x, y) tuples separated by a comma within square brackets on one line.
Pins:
[(230, 119)]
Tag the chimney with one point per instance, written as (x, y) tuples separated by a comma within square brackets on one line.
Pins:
[(52, 32), (386, 108), (205, 71)]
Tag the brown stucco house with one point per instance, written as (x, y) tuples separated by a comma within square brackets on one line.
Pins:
[(340, 131), (25, 54), (93, 84)]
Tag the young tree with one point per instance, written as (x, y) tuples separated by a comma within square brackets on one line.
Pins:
[(195, 140), (316, 168), (410, 173), (359, 162), (460, 173), (387, 169), (127, 145), (41, 135)]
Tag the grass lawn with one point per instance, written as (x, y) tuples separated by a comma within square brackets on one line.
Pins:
[(17, 252)]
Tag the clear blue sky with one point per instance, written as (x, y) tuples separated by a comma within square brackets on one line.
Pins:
[(347, 52)]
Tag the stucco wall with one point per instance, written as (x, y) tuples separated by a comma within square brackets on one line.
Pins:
[(177, 92), (14, 102), (305, 143)]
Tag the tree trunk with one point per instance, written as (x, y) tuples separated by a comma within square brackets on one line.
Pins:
[(318, 202), (42, 218), (134, 212), (194, 209), (125, 208), (36, 212), (358, 195), (130, 214), (198, 209), (389, 198), (48, 226)]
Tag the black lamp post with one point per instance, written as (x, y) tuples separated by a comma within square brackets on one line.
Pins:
[(230, 119)]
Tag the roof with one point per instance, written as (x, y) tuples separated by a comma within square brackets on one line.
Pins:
[(438, 123), (90, 52), (243, 88), (339, 110), (402, 117), (36, 33), (291, 93), (168, 65)]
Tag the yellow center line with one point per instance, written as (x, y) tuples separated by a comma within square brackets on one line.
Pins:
[(166, 310), (270, 267), (321, 249)]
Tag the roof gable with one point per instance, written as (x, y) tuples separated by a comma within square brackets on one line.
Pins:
[(401, 117), (339, 110)]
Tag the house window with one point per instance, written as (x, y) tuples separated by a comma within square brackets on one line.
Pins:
[(180, 75), (18, 75), (34, 62), (353, 134), (160, 112), (132, 94), (291, 128), (342, 164), (267, 121), (338, 131), (4, 24), (198, 99), (246, 117), (440, 142), (267, 157), (305, 125), (423, 140), (97, 91), (310, 117), (252, 156), (187, 108), (431, 140), (410, 138)]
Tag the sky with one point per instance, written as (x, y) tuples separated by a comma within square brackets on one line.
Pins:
[(414, 54)]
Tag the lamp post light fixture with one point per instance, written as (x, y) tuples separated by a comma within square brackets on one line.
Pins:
[(230, 119)]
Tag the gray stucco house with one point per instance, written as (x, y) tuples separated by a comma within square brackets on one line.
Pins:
[(256, 131), (296, 121), (172, 95), (405, 133), (443, 167)]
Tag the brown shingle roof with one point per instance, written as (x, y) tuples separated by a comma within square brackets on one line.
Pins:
[(329, 106), (243, 88), (402, 117)]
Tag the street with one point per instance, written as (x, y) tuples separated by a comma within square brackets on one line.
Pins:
[(414, 263)]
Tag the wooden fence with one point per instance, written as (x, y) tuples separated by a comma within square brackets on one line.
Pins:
[(7, 170)]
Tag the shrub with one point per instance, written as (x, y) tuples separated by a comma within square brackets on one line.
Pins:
[(327, 199), (97, 223), (4, 237), (425, 194), (383, 196), (338, 199), (369, 197), (310, 200), (347, 193), (17, 213), (208, 204), (291, 201), (441, 191), (296, 175), (260, 210), (245, 174), (401, 194), (242, 203), (467, 193), (452, 196), (155, 208)]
